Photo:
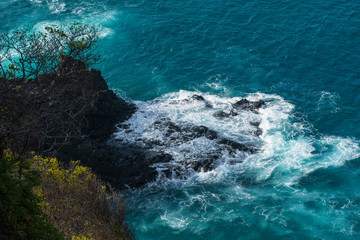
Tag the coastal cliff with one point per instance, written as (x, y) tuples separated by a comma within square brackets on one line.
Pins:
[(76, 115)]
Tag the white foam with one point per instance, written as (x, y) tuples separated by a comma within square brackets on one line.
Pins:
[(327, 101), (175, 107), (217, 83), (288, 149), (175, 220), (98, 20), (56, 6)]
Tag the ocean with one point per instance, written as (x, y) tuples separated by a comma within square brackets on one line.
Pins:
[(301, 57)]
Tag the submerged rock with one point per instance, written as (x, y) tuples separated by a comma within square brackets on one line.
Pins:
[(201, 98), (190, 148), (184, 133), (241, 105), (258, 131), (177, 136), (233, 146), (222, 114)]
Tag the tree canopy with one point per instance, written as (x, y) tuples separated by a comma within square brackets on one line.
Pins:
[(26, 111), (28, 52)]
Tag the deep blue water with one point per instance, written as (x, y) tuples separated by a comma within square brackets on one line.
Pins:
[(302, 57)]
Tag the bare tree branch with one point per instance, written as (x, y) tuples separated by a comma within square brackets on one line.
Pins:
[(32, 82)]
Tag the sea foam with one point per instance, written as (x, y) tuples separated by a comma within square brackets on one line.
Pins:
[(288, 148)]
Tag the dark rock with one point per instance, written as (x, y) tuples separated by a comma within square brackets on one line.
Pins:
[(245, 104), (232, 146), (171, 128), (242, 102), (201, 98), (197, 97), (121, 166), (172, 174), (135, 168), (80, 99), (104, 111), (201, 131), (258, 130), (233, 113), (255, 124), (82, 114), (259, 104), (184, 133), (208, 105), (155, 157), (180, 170), (221, 114), (204, 165)]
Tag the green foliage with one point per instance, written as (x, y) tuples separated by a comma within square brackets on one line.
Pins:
[(78, 204), (41, 200), (27, 52), (21, 216), (12, 71)]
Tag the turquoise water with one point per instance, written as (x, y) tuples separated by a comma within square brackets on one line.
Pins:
[(302, 57)]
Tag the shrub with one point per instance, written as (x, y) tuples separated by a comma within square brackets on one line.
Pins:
[(46, 201), (21, 216), (78, 204)]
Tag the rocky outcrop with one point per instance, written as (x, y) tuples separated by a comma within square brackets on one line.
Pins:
[(241, 105), (91, 113), (71, 114), (182, 148), (84, 96), (75, 115)]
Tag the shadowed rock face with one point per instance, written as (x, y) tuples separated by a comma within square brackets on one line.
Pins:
[(83, 96), (97, 112), (78, 113), (102, 109)]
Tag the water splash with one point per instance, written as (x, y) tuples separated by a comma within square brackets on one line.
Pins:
[(251, 191)]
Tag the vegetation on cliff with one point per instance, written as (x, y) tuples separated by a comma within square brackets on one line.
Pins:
[(48, 201), (21, 216), (33, 84), (49, 100), (27, 52), (78, 204)]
